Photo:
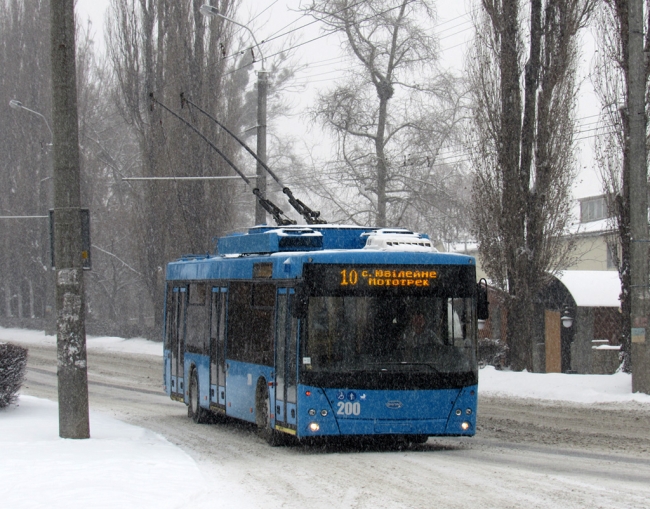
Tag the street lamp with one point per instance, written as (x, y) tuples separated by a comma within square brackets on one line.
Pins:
[(17, 105), (262, 92), (567, 318), (50, 325)]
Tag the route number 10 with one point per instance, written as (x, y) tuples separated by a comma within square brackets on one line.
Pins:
[(349, 278)]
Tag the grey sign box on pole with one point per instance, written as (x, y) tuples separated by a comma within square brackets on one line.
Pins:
[(85, 239)]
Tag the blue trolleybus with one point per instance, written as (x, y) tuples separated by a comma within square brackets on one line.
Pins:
[(326, 331)]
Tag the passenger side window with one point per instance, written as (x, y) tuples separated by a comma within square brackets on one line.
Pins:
[(198, 320), (251, 312)]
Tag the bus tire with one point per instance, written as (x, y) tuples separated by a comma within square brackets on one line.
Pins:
[(418, 439), (194, 409), (263, 416)]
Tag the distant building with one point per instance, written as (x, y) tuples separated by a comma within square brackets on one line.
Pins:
[(586, 295)]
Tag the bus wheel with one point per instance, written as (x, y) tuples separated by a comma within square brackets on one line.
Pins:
[(194, 410), (418, 439), (262, 416)]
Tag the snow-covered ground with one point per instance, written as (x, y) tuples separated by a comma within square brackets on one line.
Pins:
[(559, 386), (122, 466), (129, 467), (136, 345)]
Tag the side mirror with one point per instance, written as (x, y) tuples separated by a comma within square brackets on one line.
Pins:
[(300, 302), (482, 303)]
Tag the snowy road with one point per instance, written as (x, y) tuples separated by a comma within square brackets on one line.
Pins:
[(526, 453)]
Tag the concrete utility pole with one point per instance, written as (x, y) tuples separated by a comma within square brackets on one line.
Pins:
[(638, 201), (262, 93), (70, 306)]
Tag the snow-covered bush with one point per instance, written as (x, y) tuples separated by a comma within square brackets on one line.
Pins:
[(13, 361), (492, 352)]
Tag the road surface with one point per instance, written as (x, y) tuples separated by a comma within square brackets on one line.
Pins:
[(526, 453)]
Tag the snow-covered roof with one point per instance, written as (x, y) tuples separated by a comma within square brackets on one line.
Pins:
[(599, 226), (592, 288)]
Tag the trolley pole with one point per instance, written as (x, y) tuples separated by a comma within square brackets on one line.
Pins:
[(638, 201), (70, 306)]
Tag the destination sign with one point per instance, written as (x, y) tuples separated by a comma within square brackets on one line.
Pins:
[(386, 277), (351, 278)]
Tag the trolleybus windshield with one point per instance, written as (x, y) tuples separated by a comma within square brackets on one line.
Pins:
[(414, 331)]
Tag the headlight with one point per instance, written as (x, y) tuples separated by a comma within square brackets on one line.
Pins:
[(311, 412), (324, 413), (465, 426), (314, 427), (468, 411), (459, 411)]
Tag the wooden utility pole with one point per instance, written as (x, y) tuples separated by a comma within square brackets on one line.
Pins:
[(638, 201), (70, 306)]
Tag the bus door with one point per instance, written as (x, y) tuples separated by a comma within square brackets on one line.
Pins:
[(285, 360), (218, 348), (177, 343)]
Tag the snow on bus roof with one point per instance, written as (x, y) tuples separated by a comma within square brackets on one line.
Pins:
[(592, 288)]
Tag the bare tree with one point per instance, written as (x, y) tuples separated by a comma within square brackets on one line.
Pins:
[(522, 149), (116, 301), (611, 79), (391, 116), (165, 48)]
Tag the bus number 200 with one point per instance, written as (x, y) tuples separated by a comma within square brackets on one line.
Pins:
[(348, 408)]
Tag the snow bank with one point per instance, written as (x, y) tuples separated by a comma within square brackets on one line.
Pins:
[(559, 386), (119, 466)]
